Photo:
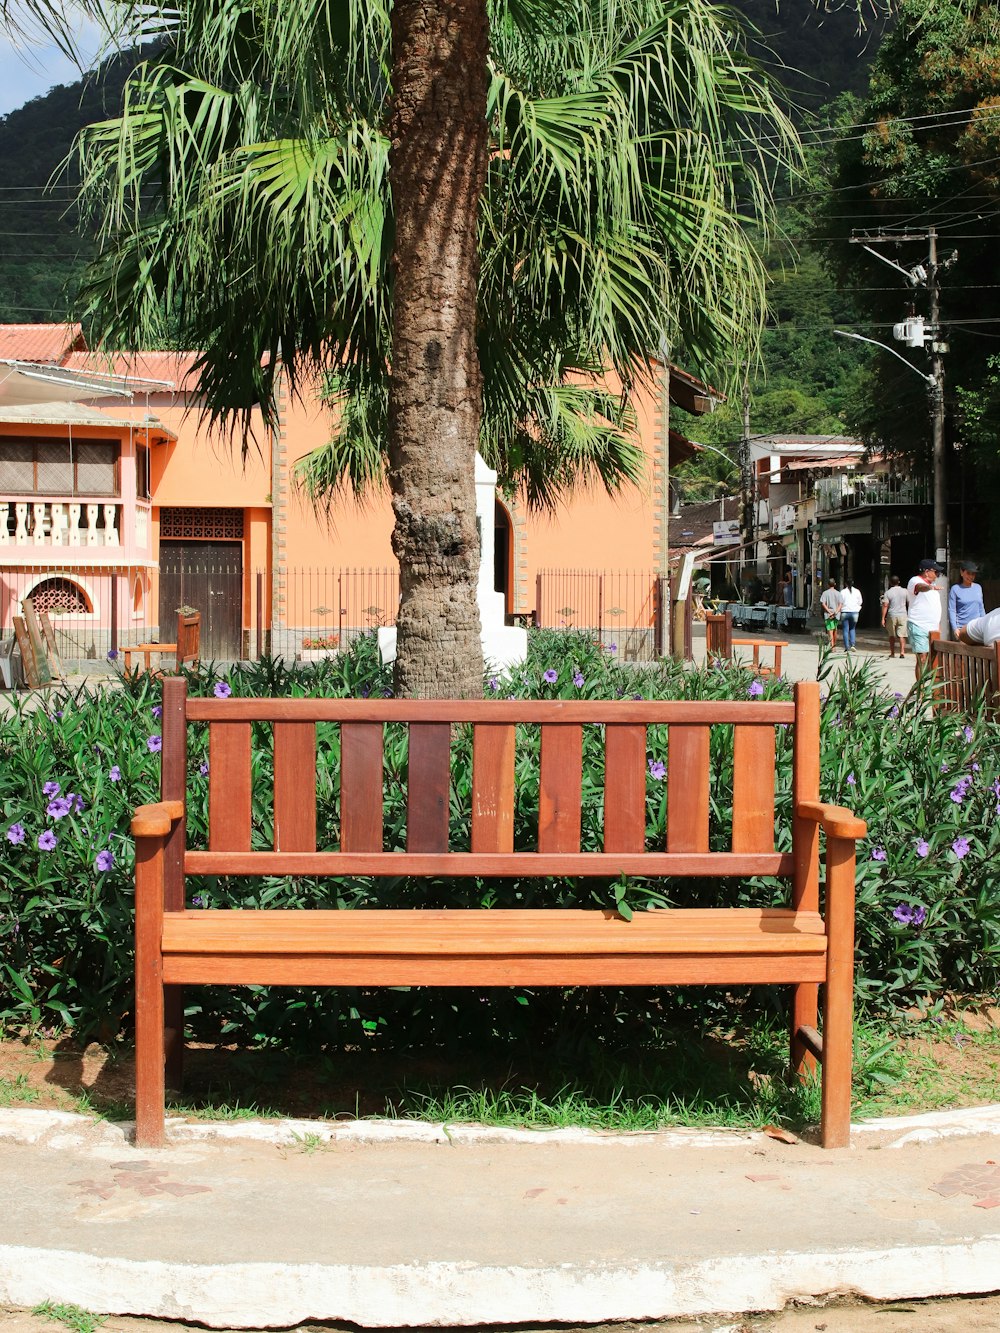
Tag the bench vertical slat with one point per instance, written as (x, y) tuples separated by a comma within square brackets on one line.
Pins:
[(173, 779), (624, 788), (428, 787), (805, 850), (753, 789), (229, 787), (493, 788), (560, 786), (294, 786), (687, 787), (361, 787)]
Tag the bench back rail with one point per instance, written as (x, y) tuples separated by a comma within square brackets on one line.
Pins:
[(964, 674)]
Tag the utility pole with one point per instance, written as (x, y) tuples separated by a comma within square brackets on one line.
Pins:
[(913, 333), (747, 515), (937, 403)]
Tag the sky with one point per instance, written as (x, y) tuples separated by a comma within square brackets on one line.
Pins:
[(30, 68)]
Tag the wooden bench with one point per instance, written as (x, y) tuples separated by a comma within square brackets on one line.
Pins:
[(964, 673), (797, 945), (185, 650), (720, 642)]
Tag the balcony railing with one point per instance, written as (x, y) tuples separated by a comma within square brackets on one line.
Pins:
[(834, 494), (61, 523)]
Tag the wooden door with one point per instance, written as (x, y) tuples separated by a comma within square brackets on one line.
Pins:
[(207, 576)]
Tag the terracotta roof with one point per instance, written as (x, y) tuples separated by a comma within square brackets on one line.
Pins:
[(175, 369), (40, 342)]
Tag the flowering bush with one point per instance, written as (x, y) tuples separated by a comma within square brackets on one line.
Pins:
[(71, 773), (328, 641)]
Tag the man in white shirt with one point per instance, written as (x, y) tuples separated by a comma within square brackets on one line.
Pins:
[(894, 616), (923, 611), (984, 630)]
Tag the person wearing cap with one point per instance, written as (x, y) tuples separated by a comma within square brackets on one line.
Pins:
[(983, 630), (965, 601), (923, 611)]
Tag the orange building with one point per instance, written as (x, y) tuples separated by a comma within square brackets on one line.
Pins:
[(236, 537)]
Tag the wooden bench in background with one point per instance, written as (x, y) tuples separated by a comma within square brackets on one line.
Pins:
[(185, 650), (797, 945), (965, 673), (720, 642)]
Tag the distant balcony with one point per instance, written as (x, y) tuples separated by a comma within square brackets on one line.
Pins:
[(835, 494), (91, 531)]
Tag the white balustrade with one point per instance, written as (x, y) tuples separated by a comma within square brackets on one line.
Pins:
[(141, 527), (58, 523)]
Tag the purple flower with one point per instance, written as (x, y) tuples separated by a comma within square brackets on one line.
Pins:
[(897, 695), (903, 913), (944, 768), (46, 841), (105, 861), (894, 711), (578, 679), (756, 689), (113, 655), (879, 854), (16, 834), (975, 768), (494, 684), (51, 789), (198, 901), (657, 769), (203, 770), (961, 847), (77, 802), (612, 647), (958, 793), (851, 780), (923, 847), (222, 690), (114, 774), (919, 915), (550, 677), (59, 806), (157, 712), (968, 733), (154, 744)]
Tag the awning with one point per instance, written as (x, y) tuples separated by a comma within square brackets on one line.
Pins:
[(858, 525), (27, 382), (77, 414)]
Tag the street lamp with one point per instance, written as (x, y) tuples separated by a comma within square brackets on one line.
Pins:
[(843, 333)]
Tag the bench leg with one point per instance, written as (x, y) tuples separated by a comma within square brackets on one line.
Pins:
[(838, 997), (149, 1008), (173, 1036), (805, 1014)]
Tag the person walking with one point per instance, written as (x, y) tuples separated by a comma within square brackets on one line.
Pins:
[(894, 616), (830, 602), (923, 611), (965, 601), (851, 603)]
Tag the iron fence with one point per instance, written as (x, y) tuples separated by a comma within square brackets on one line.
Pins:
[(619, 607)]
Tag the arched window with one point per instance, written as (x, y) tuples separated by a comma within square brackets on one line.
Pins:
[(61, 597)]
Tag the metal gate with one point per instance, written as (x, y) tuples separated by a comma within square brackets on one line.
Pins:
[(207, 576)]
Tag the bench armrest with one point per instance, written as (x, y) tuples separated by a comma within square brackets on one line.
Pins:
[(836, 820), (155, 821)]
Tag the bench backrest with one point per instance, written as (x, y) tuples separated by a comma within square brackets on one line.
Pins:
[(719, 634), (964, 673), (618, 729)]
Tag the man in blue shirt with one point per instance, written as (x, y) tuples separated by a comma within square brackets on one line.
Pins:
[(965, 601)]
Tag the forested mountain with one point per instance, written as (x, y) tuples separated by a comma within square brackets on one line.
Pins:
[(41, 250)]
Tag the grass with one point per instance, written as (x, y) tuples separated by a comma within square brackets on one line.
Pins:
[(688, 1077), (73, 1316)]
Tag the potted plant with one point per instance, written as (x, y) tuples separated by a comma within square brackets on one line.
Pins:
[(319, 649)]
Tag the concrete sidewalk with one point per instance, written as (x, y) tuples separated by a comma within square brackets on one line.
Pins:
[(386, 1224)]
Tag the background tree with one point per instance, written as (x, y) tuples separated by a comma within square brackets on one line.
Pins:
[(929, 154), (249, 196)]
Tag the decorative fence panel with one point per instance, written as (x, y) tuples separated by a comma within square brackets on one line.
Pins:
[(620, 607)]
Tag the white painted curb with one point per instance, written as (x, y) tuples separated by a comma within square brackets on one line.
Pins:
[(448, 1294)]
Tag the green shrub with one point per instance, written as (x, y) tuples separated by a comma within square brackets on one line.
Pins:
[(928, 888)]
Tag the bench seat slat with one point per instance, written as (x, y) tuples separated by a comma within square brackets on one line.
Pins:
[(709, 969), (486, 864), (467, 932)]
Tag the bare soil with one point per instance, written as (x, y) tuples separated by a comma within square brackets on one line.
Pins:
[(953, 1315)]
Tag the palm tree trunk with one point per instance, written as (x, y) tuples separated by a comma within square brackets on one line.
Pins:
[(437, 172)]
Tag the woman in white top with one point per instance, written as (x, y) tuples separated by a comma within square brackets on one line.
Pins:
[(851, 602)]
